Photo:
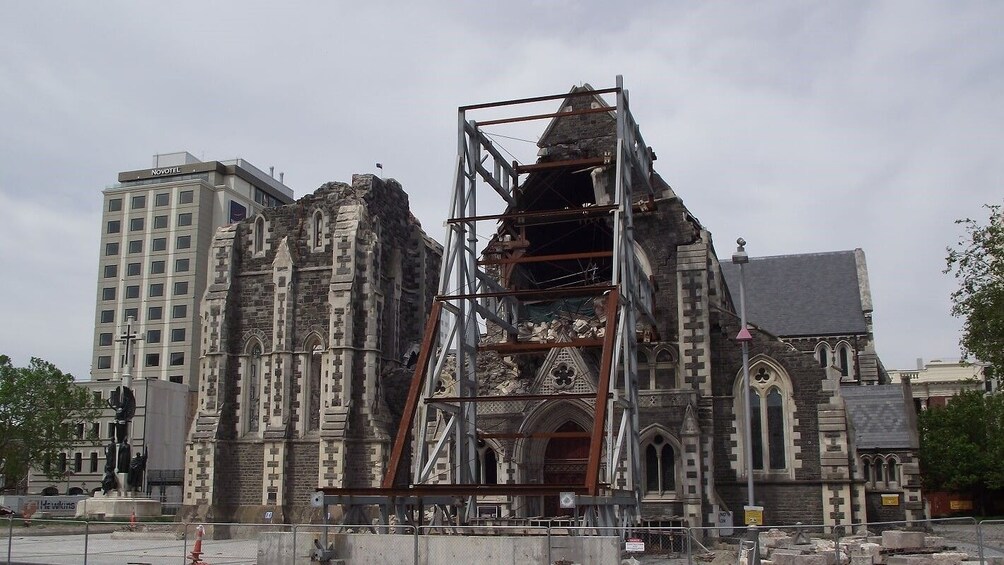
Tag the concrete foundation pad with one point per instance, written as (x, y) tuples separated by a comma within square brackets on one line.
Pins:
[(909, 560), (784, 556), (811, 559), (117, 507), (934, 541)]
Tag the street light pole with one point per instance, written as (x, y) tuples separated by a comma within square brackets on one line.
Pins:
[(741, 258)]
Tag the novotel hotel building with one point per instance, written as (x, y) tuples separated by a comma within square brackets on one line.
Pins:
[(153, 264)]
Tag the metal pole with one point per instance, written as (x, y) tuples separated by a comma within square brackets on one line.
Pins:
[(87, 537), (10, 534), (741, 258)]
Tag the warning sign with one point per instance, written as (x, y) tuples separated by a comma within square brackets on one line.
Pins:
[(567, 499), (634, 545), (890, 500)]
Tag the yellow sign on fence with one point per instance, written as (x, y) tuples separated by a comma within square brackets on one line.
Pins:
[(754, 515)]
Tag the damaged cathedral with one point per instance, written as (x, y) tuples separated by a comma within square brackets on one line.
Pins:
[(315, 374)]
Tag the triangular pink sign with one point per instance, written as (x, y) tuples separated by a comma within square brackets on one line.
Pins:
[(744, 335)]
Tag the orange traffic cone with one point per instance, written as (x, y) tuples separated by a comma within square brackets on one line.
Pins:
[(197, 550)]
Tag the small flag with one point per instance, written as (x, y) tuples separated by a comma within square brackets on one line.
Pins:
[(380, 166)]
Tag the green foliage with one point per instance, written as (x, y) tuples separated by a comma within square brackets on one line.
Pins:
[(977, 262), (962, 444), (39, 409)]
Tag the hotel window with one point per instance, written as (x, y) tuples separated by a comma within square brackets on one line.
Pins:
[(108, 293), (114, 226), (180, 288), (176, 379), (159, 222), (105, 339), (104, 362), (178, 334), (184, 242), (179, 311), (185, 197), (153, 336), (159, 243), (111, 271), (156, 289), (133, 269), (115, 205), (136, 246), (94, 462), (78, 462), (177, 359), (130, 313), (132, 291), (96, 427), (153, 359), (136, 224), (185, 219), (107, 316), (154, 313), (139, 201), (156, 267), (181, 266), (112, 248), (162, 199)]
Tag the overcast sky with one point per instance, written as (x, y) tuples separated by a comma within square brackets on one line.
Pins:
[(801, 127)]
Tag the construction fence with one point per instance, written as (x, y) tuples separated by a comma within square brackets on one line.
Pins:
[(934, 542)]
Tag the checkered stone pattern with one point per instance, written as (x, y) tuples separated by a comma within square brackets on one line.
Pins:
[(694, 323)]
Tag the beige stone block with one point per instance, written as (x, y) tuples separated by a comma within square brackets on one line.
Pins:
[(949, 557), (909, 560), (784, 556), (811, 559), (934, 541), (898, 539)]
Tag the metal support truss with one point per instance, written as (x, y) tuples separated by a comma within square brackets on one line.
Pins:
[(472, 299)]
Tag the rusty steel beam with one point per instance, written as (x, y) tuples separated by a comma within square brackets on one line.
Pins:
[(602, 388), (407, 417), (506, 348), (547, 258), (570, 212), (513, 397), (591, 290), (590, 162), (530, 118), (531, 100)]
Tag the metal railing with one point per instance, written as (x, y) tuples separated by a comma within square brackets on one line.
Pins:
[(65, 541)]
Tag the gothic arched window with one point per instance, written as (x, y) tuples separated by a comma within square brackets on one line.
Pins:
[(259, 234), (665, 371), (252, 385), (660, 466), (312, 382), (771, 408), (317, 229)]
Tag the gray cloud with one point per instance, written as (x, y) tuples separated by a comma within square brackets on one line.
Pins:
[(802, 127)]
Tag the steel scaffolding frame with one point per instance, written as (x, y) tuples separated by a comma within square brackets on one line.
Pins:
[(470, 298)]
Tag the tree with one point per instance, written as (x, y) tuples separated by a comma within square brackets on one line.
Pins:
[(40, 408), (977, 262), (962, 444)]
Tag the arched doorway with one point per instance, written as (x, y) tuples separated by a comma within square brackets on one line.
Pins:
[(565, 462)]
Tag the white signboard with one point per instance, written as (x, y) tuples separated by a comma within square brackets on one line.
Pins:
[(724, 523), (634, 545), (567, 499)]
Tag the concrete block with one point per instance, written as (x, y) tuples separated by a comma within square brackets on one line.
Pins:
[(950, 557), (934, 541), (909, 560), (811, 559), (897, 539), (784, 556), (861, 559)]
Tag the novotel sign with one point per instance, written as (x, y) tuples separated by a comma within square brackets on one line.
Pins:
[(165, 171)]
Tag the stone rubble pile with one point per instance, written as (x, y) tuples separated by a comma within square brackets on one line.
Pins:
[(893, 547)]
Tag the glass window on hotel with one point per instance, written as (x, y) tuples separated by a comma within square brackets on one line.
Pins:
[(162, 199)]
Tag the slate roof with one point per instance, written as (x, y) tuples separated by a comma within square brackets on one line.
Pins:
[(880, 418), (811, 294)]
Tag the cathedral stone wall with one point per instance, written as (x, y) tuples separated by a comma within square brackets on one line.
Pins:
[(312, 306)]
